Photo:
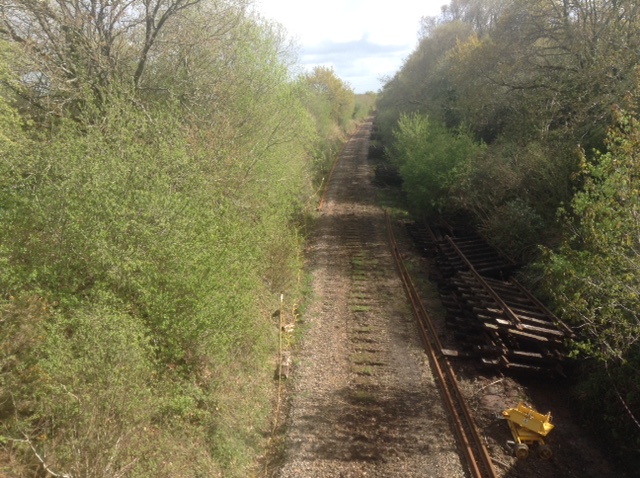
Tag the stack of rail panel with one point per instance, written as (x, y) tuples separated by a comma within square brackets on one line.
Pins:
[(520, 334), (423, 238), (494, 318), (485, 259)]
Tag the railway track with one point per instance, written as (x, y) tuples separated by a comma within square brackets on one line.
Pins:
[(385, 404), (376, 391), (476, 455), (494, 318)]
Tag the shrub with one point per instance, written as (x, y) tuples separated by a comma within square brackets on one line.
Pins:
[(430, 159)]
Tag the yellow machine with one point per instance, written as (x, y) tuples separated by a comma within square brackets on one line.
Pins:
[(528, 427)]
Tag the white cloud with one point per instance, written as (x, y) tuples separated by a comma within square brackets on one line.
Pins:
[(362, 40)]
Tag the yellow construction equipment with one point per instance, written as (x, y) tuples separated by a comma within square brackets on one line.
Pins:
[(528, 427)]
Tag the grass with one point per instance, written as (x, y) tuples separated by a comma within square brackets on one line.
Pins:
[(363, 396), (362, 370), (360, 308)]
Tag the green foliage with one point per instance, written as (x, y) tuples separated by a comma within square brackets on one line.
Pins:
[(364, 105), (333, 94), (611, 392), (512, 226), (146, 238), (515, 190), (532, 80), (424, 84), (145, 261), (594, 278), (430, 160), (330, 105)]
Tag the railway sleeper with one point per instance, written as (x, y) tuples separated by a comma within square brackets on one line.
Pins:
[(507, 331), (534, 314), (492, 363), (457, 321), (543, 327), (522, 367), (470, 241), (480, 257), (548, 334), (477, 299), (488, 313), (515, 298), (446, 269), (450, 302), (465, 324), (470, 339), (554, 333), (479, 294), (498, 271), (453, 262), (525, 321), (486, 262), (473, 352), (545, 324), (533, 357), (488, 269), (463, 284)]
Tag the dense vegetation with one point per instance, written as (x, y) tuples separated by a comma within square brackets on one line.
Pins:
[(523, 115), (158, 159)]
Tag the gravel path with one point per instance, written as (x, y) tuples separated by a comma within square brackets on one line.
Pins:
[(362, 400)]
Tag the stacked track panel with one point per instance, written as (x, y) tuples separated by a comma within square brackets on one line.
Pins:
[(517, 334), (493, 317), (454, 253)]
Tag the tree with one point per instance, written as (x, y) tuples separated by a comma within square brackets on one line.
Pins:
[(594, 277), (430, 160), (424, 82), (328, 88), (532, 80), (71, 46), (146, 232)]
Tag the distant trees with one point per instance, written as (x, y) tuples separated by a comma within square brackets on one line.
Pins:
[(330, 90), (535, 81), (331, 103), (365, 104)]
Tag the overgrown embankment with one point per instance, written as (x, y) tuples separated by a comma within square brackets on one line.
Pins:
[(154, 177), (522, 117)]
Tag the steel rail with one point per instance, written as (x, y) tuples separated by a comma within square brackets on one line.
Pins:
[(559, 323), (479, 462), (505, 307)]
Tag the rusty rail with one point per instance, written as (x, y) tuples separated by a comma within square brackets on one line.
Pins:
[(477, 457)]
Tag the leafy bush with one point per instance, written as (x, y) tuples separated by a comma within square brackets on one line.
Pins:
[(514, 228), (145, 264), (430, 159), (593, 277)]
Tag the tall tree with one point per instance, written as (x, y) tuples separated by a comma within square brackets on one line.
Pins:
[(594, 276), (327, 87), (70, 46)]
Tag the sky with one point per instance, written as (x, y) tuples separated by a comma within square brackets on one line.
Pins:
[(362, 40)]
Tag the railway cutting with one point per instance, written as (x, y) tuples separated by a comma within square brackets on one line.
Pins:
[(381, 389)]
